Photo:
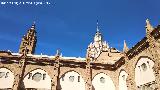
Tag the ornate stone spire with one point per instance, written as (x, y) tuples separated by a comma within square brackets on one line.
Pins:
[(125, 48), (97, 46), (29, 41), (98, 36), (149, 27)]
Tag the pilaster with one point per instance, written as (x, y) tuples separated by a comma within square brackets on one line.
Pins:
[(153, 51), (56, 71), (88, 84), (18, 83)]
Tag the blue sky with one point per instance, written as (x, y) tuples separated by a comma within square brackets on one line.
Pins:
[(70, 25)]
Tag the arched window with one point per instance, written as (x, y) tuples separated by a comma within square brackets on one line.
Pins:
[(72, 81), (6, 78), (102, 82), (122, 80), (37, 79), (144, 75)]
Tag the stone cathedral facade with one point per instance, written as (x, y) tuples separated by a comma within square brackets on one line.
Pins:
[(103, 68)]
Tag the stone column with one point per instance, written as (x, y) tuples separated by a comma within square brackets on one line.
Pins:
[(157, 76), (18, 83), (131, 82), (56, 71), (88, 83), (130, 69), (156, 67)]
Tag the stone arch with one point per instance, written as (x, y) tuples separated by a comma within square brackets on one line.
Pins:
[(80, 71), (102, 81), (6, 78), (37, 78), (72, 80), (144, 74), (62, 74), (122, 80)]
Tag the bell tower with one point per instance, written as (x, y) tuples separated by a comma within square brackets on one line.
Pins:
[(29, 41)]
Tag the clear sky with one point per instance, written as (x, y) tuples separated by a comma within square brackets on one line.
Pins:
[(70, 25)]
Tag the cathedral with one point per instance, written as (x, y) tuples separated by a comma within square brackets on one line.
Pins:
[(103, 68)]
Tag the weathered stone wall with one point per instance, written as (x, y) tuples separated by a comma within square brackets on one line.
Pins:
[(129, 67), (131, 64), (49, 69)]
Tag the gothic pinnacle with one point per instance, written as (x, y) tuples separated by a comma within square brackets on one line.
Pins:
[(58, 52), (125, 48), (149, 27)]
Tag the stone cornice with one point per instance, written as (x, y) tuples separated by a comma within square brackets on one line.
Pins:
[(135, 50), (63, 63), (139, 47), (143, 44)]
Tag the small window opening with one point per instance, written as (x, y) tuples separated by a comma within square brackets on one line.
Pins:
[(78, 78)]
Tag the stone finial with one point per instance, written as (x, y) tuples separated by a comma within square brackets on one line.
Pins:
[(33, 25), (125, 48), (107, 45), (58, 55), (149, 27), (58, 52)]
